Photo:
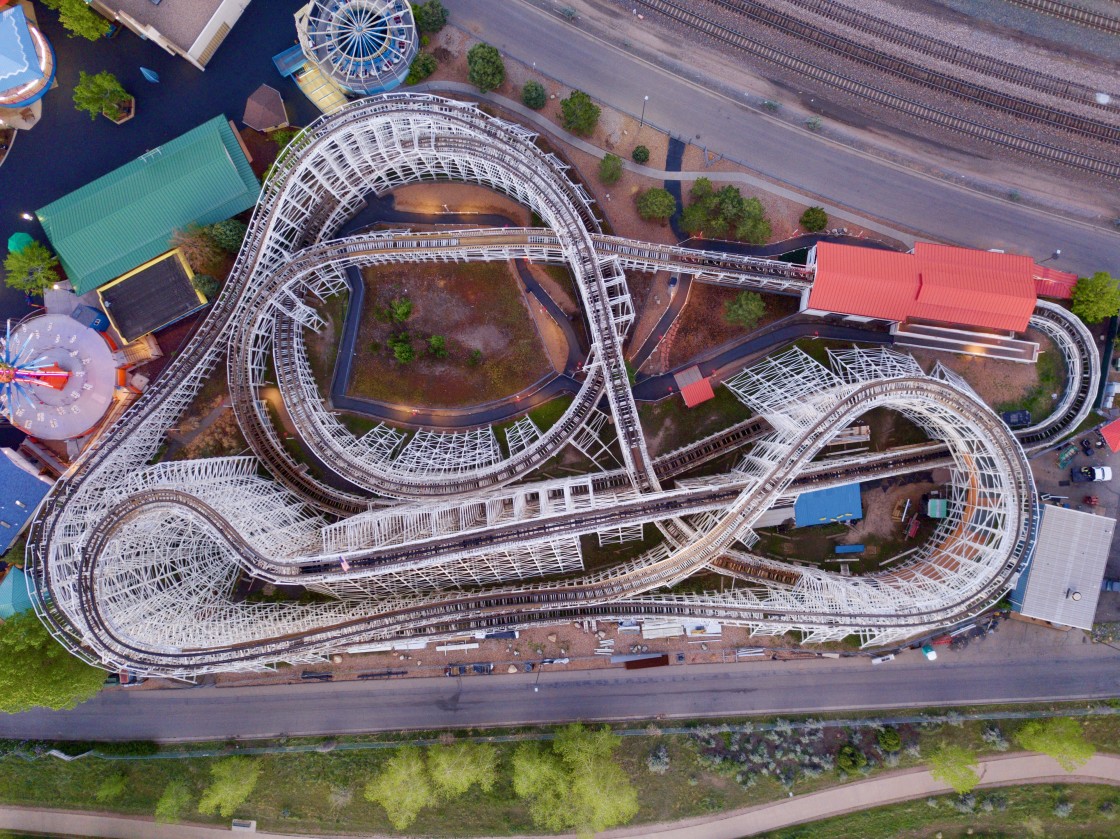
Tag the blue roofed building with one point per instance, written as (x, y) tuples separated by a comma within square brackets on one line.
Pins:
[(824, 506), (21, 490)]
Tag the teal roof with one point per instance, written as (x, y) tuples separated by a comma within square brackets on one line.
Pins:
[(127, 217), (14, 598)]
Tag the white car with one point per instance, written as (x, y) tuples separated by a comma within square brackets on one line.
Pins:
[(883, 659)]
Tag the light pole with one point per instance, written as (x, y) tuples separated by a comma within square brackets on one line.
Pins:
[(540, 669), (645, 100), (1057, 253)]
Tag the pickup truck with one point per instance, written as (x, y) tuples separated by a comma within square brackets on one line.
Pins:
[(1087, 474)]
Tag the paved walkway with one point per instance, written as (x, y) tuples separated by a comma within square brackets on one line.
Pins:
[(888, 788)]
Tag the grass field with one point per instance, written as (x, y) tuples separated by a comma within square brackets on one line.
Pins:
[(668, 424)]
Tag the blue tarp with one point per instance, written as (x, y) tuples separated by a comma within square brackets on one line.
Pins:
[(828, 505), (20, 494), (849, 549), (13, 594)]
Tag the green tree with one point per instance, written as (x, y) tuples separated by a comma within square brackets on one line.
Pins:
[(430, 17), (79, 19), (31, 269), (814, 219), (533, 95), (1059, 737), (745, 309), (474, 358), (100, 93), (1096, 298), (724, 212), (640, 154), (402, 787), (174, 801), (234, 779), (228, 235), (955, 766), (456, 768), (35, 670), (111, 788), (850, 759), (575, 784), (207, 286), (402, 348), (485, 69), (400, 309), (656, 204), (437, 346), (610, 168), (889, 740), (579, 114), (422, 66), (282, 136)]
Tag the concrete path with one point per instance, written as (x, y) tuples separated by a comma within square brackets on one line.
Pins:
[(889, 788)]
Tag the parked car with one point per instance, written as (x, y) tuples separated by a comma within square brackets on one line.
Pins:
[(1016, 419), (883, 659), (1087, 474), (1110, 584)]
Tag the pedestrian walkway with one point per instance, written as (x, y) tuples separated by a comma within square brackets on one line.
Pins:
[(888, 788)]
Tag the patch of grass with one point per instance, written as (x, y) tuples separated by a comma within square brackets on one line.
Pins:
[(668, 424), (1039, 399), (547, 415), (563, 278), (1015, 811)]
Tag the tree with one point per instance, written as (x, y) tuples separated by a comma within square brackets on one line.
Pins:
[(79, 19), (402, 787), (31, 269), (400, 309), (1060, 737), (579, 114), (485, 68), (610, 169), (198, 247), (422, 66), (35, 670), (100, 93), (456, 768), (850, 760), (430, 17), (576, 783), (282, 136), (402, 348), (437, 346), (175, 800), (234, 779), (889, 740), (745, 310), (1096, 298), (228, 235), (640, 154), (656, 204), (955, 766), (533, 95), (814, 219), (207, 286), (111, 788), (724, 212)]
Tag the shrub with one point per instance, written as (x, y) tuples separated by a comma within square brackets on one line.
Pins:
[(889, 740), (746, 309), (724, 212), (206, 285), (234, 779), (850, 760), (1060, 737), (656, 204), (430, 17), (401, 345), (228, 235), (485, 69), (111, 788), (814, 219), (579, 114), (994, 738), (422, 66), (437, 346), (176, 798), (1063, 809), (400, 309), (955, 766), (640, 154), (610, 169), (78, 19), (282, 136), (658, 760), (402, 788), (474, 358), (533, 95)]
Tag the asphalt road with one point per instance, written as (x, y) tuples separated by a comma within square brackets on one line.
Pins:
[(808, 162), (689, 691)]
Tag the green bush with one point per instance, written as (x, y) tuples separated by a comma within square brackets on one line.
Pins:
[(402, 348), (206, 285), (1096, 298), (579, 114), (485, 69), (814, 219), (35, 670), (422, 66), (850, 760), (99, 93), (533, 95), (430, 17), (640, 154), (746, 309), (889, 740), (656, 204), (78, 19), (228, 235), (610, 169), (724, 213)]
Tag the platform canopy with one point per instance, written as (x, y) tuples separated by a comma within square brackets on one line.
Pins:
[(824, 506), (125, 218), (20, 493)]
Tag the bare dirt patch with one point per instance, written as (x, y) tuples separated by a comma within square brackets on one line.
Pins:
[(493, 348), (703, 326), (458, 198)]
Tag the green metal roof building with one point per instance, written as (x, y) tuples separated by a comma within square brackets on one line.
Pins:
[(127, 217)]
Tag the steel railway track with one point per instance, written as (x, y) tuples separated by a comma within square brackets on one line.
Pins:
[(1034, 148), (1073, 14)]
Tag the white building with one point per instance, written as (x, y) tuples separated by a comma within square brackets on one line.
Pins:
[(193, 30)]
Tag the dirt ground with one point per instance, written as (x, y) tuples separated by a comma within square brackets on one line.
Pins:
[(878, 507), (459, 198), (703, 326), (476, 307)]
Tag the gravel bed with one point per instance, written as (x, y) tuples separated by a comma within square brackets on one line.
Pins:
[(836, 105)]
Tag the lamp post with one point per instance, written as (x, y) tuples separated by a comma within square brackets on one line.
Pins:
[(1057, 253), (540, 669), (645, 100)]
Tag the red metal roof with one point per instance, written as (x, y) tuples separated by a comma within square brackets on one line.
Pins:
[(1111, 434), (934, 282), (1049, 282), (694, 387)]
